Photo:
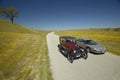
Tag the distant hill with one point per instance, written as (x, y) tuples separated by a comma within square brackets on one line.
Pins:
[(6, 26), (106, 29)]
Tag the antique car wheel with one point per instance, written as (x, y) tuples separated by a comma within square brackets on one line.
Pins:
[(60, 47), (85, 55), (70, 58)]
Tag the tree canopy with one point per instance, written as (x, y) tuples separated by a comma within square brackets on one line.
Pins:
[(10, 13)]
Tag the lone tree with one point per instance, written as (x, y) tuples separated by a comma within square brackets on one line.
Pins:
[(10, 13)]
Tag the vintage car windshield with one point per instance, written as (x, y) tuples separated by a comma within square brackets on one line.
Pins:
[(90, 42), (71, 41)]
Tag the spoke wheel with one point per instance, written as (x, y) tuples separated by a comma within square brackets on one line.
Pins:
[(70, 58), (85, 55)]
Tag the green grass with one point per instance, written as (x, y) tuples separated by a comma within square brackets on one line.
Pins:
[(109, 38), (23, 55)]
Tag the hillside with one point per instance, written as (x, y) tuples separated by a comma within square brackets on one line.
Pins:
[(23, 53), (15, 28)]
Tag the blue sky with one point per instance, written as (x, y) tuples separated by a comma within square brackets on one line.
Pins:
[(66, 14)]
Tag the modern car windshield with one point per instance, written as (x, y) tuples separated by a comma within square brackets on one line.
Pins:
[(90, 42)]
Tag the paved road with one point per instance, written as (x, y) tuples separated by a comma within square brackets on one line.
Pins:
[(96, 67)]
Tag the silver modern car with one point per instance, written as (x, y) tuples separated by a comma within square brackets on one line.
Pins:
[(91, 46)]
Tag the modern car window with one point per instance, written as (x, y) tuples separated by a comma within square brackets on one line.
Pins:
[(90, 42)]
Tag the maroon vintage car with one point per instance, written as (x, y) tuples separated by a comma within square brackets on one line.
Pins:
[(70, 49)]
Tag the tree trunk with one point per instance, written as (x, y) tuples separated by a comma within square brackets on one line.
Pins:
[(12, 20)]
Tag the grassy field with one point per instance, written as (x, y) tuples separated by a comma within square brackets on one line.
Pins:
[(110, 38), (23, 55), (14, 28)]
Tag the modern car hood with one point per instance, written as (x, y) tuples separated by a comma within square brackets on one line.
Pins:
[(98, 46)]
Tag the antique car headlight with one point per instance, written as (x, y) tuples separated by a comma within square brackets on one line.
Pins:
[(74, 51), (82, 50)]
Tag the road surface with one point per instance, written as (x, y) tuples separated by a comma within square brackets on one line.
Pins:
[(96, 67)]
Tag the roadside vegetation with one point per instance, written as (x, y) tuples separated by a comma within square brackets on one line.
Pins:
[(23, 53), (109, 37)]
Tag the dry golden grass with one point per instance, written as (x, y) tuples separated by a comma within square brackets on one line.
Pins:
[(6, 26), (24, 57), (23, 53)]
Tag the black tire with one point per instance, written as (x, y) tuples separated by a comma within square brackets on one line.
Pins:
[(70, 58), (85, 55), (60, 48)]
